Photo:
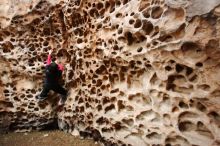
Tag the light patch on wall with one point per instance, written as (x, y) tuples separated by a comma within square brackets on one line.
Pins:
[(24, 84)]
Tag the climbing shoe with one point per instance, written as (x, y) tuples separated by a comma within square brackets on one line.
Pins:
[(40, 98)]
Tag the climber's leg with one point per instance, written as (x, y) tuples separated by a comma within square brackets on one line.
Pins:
[(43, 94), (59, 89)]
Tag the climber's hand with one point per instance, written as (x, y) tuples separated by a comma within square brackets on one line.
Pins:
[(50, 51)]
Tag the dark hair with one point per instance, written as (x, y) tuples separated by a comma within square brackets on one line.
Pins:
[(54, 59), (52, 67)]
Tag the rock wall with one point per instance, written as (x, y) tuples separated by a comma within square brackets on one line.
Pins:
[(139, 72)]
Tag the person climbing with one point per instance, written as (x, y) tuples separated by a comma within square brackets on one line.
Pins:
[(53, 73)]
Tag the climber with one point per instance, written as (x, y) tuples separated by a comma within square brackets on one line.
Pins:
[(53, 74)]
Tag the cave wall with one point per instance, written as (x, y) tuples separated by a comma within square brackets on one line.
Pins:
[(139, 72)]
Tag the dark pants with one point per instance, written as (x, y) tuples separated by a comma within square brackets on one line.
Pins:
[(55, 87)]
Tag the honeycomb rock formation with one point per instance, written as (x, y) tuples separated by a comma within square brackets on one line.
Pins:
[(139, 72)]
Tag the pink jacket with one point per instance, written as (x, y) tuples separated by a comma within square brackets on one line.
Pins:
[(60, 66)]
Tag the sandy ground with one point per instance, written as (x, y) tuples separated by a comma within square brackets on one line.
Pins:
[(44, 138)]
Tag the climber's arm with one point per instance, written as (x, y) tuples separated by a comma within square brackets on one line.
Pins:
[(49, 56), (60, 67), (48, 59)]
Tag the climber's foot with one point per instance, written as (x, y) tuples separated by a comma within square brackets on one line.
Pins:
[(40, 98), (63, 99)]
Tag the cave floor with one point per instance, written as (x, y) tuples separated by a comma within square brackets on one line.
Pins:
[(44, 138)]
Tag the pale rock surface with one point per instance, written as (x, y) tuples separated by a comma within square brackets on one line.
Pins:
[(139, 72)]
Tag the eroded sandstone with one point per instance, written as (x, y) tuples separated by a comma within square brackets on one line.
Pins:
[(139, 72)]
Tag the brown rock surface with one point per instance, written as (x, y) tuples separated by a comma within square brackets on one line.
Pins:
[(139, 72)]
